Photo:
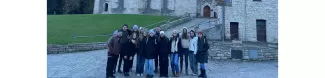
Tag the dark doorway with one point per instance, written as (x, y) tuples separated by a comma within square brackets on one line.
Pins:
[(215, 14), (261, 30), (206, 11), (237, 54), (106, 7), (234, 30)]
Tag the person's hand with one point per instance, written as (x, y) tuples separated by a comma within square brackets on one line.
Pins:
[(133, 41), (131, 58), (125, 57)]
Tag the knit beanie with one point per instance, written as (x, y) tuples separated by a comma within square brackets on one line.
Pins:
[(152, 31), (135, 27)]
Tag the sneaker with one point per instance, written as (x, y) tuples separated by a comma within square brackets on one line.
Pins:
[(138, 75), (126, 74), (119, 71), (194, 74), (141, 74), (112, 76)]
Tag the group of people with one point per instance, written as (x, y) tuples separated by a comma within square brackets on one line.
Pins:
[(153, 50)]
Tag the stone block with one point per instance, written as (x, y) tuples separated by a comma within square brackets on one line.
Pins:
[(220, 55)]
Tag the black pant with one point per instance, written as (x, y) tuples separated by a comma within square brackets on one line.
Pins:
[(156, 61), (115, 62), (163, 63), (120, 62), (110, 65), (184, 56), (127, 64)]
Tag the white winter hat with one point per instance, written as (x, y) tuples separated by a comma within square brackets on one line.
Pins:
[(162, 32)]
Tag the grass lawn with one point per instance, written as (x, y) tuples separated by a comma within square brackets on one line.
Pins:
[(60, 28)]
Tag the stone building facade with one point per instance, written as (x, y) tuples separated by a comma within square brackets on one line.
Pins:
[(245, 20)]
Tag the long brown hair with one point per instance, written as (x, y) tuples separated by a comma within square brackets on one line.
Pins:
[(184, 35)]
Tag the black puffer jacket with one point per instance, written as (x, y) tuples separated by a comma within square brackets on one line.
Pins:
[(202, 51), (163, 46), (142, 45), (150, 48), (129, 50)]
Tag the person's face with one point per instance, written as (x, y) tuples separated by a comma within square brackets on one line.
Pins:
[(142, 30), (162, 35), (125, 28), (151, 34), (192, 33), (135, 29), (119, 33), (134, 35), (200, 35), (158, 29), (184, 30), (145, 33), (174, 34)]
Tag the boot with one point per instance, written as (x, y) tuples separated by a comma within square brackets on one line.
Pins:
[(177, 74), (112, 76), (201, 74), (156, 70), (119, 70), (174, 74), (204, 74)]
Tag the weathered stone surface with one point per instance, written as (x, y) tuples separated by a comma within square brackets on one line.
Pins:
[(55, 49), (222, 50), (92, 64)]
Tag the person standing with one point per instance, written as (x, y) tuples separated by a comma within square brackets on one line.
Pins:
[(175, 47), (150, 51), (128, 54), (157, 29), (202, 53), (115, 59), (163, 52), (114, 50), (136, 31), (192, 52), (184, 51), (124, 39), (140, 55)]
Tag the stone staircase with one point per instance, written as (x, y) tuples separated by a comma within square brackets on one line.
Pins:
[(195, 23)]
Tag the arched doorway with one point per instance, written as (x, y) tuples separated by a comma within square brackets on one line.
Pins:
[(206, 11), (106, 7)]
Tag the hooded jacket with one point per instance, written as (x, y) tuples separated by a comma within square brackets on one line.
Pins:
[(163, 46), (203, 46), (114, 45), (131, 49)]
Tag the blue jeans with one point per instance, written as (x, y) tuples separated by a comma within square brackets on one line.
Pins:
[(193, 63), (174, 62), (140, 64), (202, 66), (149, 66)]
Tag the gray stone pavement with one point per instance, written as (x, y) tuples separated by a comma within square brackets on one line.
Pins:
[(92, 64)]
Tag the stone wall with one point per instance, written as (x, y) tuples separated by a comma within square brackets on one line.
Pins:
[(219, 50), (152, 7), (246, 12), (78, 47)]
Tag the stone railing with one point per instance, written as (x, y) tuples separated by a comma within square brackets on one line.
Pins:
[(169, 25), (78, 47), (220, 50)]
